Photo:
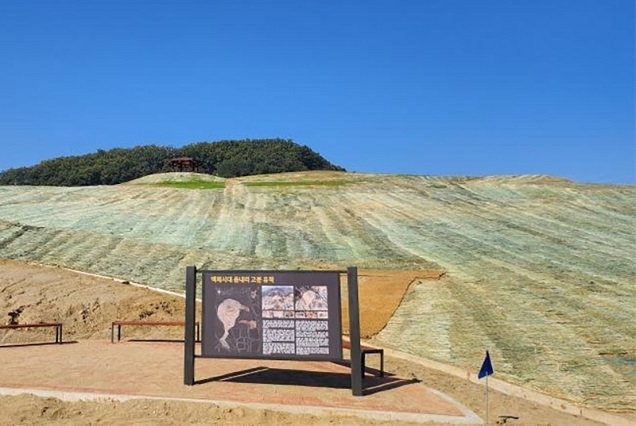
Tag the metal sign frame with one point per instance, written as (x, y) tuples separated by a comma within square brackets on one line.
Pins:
[(241, 281)]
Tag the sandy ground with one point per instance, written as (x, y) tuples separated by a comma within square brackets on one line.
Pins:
[(87, 305), (539, 271)]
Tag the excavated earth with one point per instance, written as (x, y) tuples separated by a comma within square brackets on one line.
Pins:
[(537, 270), (86, 304)]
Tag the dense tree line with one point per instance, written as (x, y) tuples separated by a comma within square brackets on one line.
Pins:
[(228, 158)]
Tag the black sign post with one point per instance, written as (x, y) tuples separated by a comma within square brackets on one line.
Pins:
[(354, 331), (190, 313)]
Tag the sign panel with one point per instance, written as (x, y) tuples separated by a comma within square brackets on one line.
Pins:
[(271, 314)]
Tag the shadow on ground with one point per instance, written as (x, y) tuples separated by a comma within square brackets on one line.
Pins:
[(282, 376), (21, 345)]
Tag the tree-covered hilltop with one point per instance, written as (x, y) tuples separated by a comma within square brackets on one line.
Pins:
[(227, 158)]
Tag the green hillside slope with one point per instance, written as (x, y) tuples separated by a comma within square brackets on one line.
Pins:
[(540, 271)]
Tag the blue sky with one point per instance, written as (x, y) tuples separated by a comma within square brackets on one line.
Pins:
[(429, 87)]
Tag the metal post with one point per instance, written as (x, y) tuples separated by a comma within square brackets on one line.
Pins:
[(354, 332), (190, 308), (486, 399)]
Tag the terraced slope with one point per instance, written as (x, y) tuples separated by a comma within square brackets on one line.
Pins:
[(540, 271)]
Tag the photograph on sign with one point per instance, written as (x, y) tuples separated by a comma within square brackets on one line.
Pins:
[(267, 314)]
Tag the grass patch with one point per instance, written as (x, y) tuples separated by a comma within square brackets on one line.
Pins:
[(298, 183), (194, 184)]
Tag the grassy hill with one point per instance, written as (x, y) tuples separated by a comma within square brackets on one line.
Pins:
[(229, 158), (539, 270)]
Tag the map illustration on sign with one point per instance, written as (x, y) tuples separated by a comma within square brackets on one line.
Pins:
[(238, 315)]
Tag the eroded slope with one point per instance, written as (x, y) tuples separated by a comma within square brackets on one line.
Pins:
[(539, 270)]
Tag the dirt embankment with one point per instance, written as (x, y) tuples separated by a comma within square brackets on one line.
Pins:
[(87, 305)]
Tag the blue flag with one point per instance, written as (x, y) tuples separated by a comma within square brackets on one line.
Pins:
[(486, 367)]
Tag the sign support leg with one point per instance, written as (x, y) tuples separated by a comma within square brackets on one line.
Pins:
[(354, 332), (190, 308)]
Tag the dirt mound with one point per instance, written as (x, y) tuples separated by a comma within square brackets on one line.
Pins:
[(539, 271), (32, 410), (86, 305)]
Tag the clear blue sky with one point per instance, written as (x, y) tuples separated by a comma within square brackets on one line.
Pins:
[(431, 87)]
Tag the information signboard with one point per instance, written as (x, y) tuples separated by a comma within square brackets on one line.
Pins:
[(271, 314)]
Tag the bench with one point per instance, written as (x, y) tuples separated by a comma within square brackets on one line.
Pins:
[(119, 324), (364, 350), (56, 325)]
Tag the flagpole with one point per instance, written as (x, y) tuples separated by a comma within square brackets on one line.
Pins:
[(486, 399), (485, 371)]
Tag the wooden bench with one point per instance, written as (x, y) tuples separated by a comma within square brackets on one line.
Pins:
[(56, 325), (119, 324), (364, 350)]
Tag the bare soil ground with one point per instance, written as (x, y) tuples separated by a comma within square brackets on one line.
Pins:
[(45, 294), (87, 305), (538, 270), (380, 295)]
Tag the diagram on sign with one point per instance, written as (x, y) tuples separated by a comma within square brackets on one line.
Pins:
[(238, 313)]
